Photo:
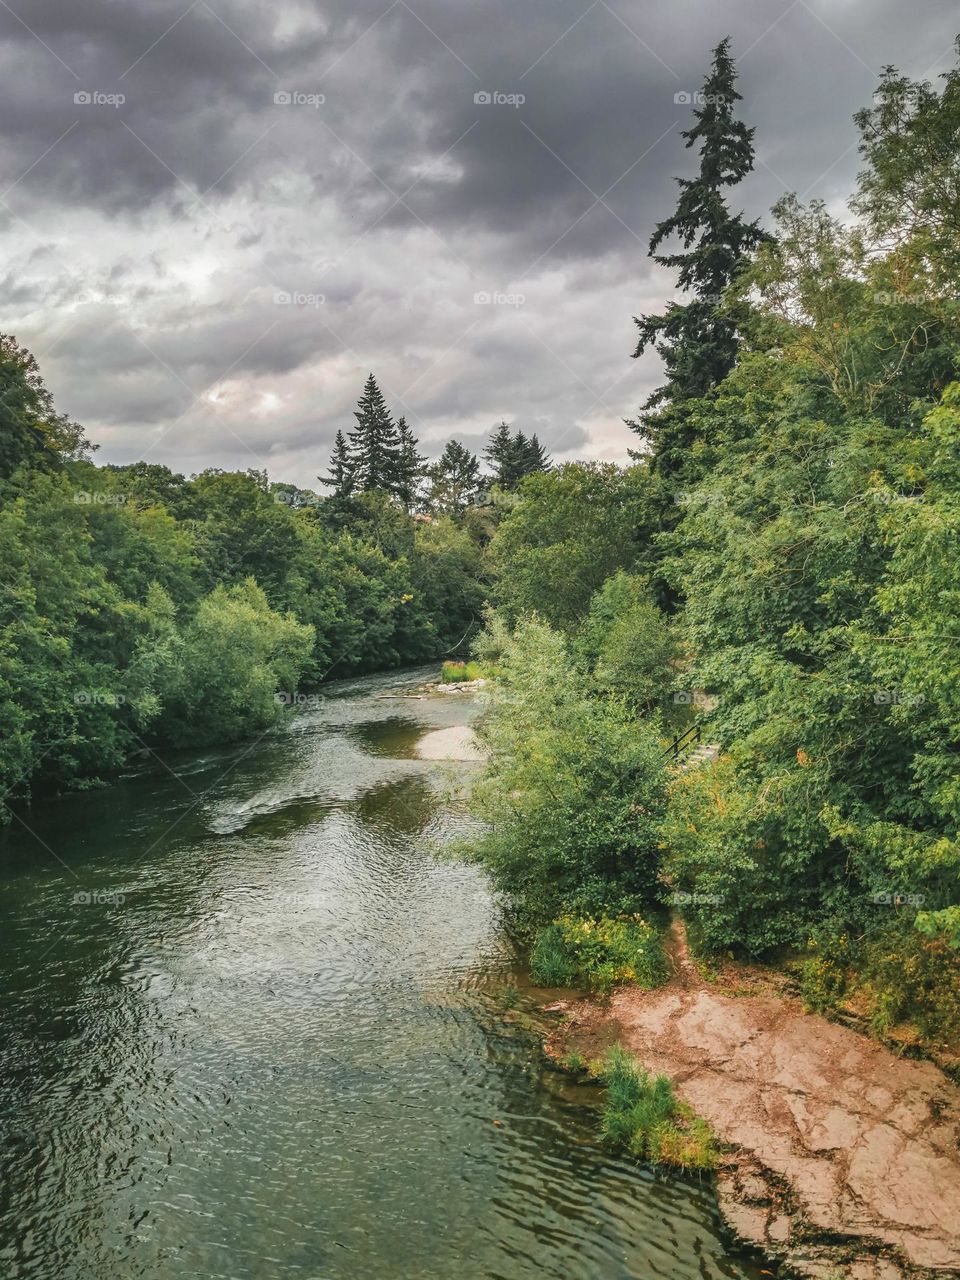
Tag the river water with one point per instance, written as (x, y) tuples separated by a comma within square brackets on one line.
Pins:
[(253, 1028)]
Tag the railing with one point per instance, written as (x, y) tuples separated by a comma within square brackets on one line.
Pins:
[(687, 740)]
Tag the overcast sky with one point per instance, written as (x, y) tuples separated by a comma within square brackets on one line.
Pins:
[(263, 200)]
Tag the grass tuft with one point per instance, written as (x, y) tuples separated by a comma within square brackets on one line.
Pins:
[(599, 953), (643, 1114)]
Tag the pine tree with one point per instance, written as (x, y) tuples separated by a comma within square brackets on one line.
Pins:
[(410, 469), (697, 340), (512, 456), (454, 480), (374, 448), (498, 452), (536, 458), (340, 478)]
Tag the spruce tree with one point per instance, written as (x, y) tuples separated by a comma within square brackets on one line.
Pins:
[(498, 453), (374, 449), (454, 480), (340, 478), (410, 469), (512, 456), (697, 340), (536, 457)]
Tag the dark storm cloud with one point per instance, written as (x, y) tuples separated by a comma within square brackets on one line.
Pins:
[(153, 236)]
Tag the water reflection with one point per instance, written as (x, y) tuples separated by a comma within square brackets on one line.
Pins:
[(279, 1049)]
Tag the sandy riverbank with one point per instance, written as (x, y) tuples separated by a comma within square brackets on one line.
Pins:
[(458, 742)]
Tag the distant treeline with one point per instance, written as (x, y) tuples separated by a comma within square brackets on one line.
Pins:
[(142, 609)]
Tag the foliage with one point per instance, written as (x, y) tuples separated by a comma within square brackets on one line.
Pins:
[(454, 480), (626, 642), (600, 953), (512, 456), (572, 528), (139, 608), (643, 1114), (697, 340), (574, 789)]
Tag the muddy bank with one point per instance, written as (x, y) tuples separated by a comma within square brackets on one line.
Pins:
[(846, 1159)]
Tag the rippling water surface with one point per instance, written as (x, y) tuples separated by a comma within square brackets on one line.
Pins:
[(252, 1028)]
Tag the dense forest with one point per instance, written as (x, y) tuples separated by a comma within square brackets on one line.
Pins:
[(779, 563)]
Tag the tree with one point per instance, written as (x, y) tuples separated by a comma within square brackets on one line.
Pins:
[(512, 456), (341, 477), (697, 340), (573, 795), (571, 530), (374, 448), (498, 452), (535, 457), (31, 431), (454, 480), (410, 468)]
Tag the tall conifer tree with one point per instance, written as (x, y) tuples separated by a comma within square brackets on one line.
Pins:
[(374, 448), (340, 478), (410, 467), (697, 340)]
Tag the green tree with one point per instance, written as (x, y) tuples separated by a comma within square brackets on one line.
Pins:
[(498, 454), (572, 528), (374, 447), (31, 431), (454, 480), (627, 642), (573, 795), (410, 467), (341, 477), (697, 340)]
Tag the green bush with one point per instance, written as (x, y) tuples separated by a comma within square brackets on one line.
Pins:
[(573, 792), (643, 1115), (598, 953)]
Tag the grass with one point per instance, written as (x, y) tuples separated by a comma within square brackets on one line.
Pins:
[(643, 1114), (455, 672), (599, 953)]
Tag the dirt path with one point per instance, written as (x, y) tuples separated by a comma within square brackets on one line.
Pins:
[(847, 1161)]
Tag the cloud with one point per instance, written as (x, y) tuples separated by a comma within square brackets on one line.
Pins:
[(230, 154)]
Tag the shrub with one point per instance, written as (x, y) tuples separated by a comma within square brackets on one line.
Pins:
[(598, 953), (643, 1115), (572, 795)]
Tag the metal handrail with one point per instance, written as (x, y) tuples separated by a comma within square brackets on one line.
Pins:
[(689, 738)]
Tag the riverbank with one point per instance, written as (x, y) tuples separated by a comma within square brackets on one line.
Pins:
[(840, 1159)]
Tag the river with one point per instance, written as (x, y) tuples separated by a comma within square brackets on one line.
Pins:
[(252, 1027)]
